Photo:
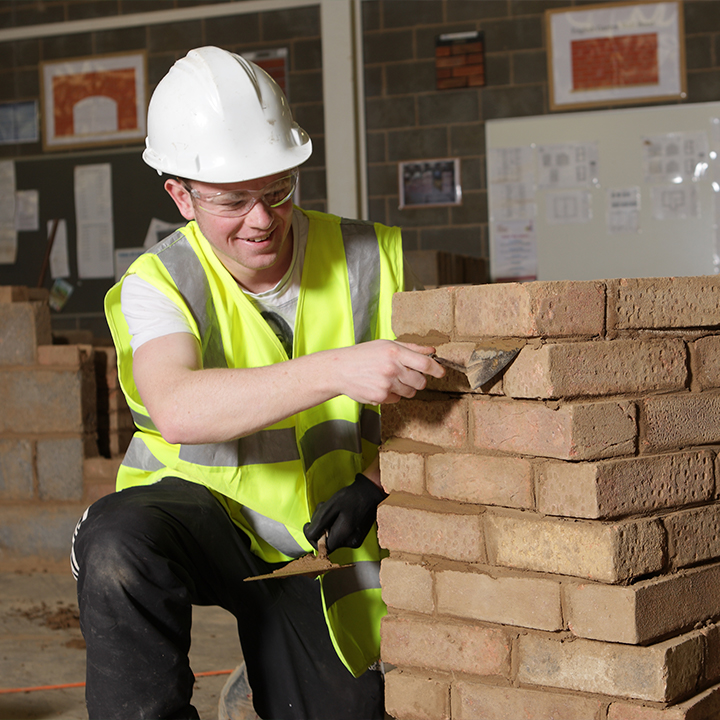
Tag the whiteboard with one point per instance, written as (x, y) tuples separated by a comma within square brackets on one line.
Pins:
[(568, 223)]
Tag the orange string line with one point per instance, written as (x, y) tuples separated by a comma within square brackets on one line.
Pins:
[(4, 691)]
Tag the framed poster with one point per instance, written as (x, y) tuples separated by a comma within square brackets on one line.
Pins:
[(615, 53), (98, 100), (425, 183)]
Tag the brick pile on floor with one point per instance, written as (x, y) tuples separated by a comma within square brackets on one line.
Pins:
[(554, 537)]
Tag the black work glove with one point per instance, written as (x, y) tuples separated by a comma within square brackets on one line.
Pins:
[(347, 516)]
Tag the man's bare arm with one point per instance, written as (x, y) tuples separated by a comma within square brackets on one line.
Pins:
[(190, 405)]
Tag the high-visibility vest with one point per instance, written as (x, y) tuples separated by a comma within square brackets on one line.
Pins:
[(271, 481)]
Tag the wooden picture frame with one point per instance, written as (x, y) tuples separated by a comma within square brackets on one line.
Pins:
[(91, 101), (615, 54)]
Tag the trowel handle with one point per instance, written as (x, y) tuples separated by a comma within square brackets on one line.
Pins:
[(322, 547)]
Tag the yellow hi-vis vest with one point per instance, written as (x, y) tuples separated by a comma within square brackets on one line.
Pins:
[(271, 481)]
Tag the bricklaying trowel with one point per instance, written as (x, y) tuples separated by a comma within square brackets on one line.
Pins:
[(479, 362), (309, 565)]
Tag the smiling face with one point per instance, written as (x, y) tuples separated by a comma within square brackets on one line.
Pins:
[(256, 248)]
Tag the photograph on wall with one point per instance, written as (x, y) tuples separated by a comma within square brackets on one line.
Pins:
[(425, 183), (615, 53), (19, 122), (93, 101)]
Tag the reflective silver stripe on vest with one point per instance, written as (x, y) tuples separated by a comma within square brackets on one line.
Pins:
[(262, 447), (363, 575), (139, 457), (189, 276), (142, 421), (362, 253), (273, 532)]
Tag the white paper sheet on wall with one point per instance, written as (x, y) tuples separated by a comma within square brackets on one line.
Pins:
[(568, 206), (623, 209), (59, 259), (515, 251), (27, 206), (675, 157), (567, 165), (8, 233), (93, 212), (675, 202)]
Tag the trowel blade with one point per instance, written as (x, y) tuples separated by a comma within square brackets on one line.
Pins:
[(485, 361)]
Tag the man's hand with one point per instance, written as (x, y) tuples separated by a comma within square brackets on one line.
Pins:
[(347, 516), (383, 371)]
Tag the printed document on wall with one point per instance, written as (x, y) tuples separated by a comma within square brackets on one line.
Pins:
[(93, 211), (567, 165), (8, 233), (513, 255)]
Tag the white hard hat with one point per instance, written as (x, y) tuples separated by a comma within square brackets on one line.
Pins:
[(218, 118)]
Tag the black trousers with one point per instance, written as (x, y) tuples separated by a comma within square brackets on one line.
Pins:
[(144, 556)]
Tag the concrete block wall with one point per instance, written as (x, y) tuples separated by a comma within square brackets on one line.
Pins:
[(554, 536), (50, 466)]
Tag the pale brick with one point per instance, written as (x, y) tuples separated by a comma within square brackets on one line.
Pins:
[(693, 535), (625, 486), (610, 367), (711, 633), (425, 313), (101, 468), (570, 431), (602, 552), (664, 672), (552, 309), (679, 420), (23, 326), (13, 293), (646, 610), (46, 401), (60, 468), (703, 706), (401, 471), (436, 422), (672, 302), (522, 601), (66, 355), (704, 355), (17, 476), (417, 696), (406, 586), (481, 479), (414, 525), (445, 646), (474, 700)]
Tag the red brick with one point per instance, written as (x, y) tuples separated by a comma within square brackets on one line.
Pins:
[(407, 586), (529, 602), (597, 368), (705, 367), (474, 700), (604, 552), (644, 611), (625, 486), (436, 422), (481, 479), (445, 646), (417, 696), (693, 535), (551, 309), (570, 431), (679, 420), (415, 525), (401, 471), (679, 302), (664, 672), (423, 313)]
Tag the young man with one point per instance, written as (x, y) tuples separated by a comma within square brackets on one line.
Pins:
[(253, 349)]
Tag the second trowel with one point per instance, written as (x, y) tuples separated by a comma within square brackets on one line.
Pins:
[(479, 362)]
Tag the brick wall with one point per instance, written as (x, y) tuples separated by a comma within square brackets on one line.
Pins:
[(554, 536), (58, 401)]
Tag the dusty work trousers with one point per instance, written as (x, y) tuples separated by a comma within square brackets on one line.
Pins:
[(143, 557)]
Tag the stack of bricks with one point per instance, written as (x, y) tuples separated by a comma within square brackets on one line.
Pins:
[(554, 536), (50, 467)]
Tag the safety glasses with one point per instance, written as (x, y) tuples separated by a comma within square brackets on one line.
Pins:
[(237, 203)]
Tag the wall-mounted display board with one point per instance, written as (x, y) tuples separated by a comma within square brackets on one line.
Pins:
[(605, 194), (137, 197)]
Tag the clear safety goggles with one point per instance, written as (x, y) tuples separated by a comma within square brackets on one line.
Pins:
[(237, 203)]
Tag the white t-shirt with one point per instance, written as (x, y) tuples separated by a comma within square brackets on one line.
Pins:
[(151, 314)]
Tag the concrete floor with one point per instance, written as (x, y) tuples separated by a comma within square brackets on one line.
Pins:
[(33, 654)]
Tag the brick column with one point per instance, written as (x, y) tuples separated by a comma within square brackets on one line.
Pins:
[(554, 537)]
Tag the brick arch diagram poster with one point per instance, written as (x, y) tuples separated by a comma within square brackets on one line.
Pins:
[(93, 101)]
